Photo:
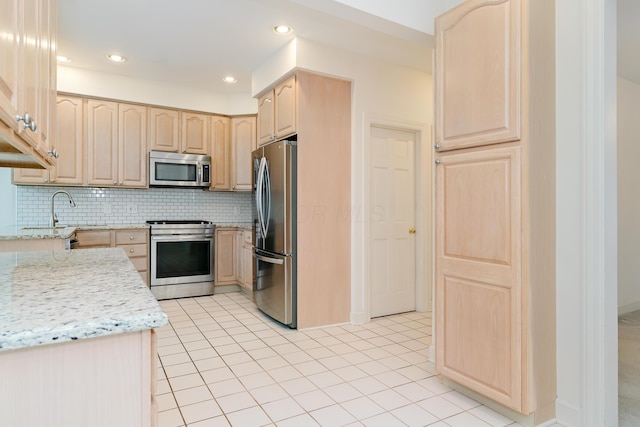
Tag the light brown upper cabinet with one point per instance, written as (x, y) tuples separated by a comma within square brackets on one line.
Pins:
[(116, 144), (266, 123), (28, 80), (233, 140), (69, 166), (495, 202), (478, 108), (132, 145), (164, 129), (195, 133), (178, 131), (277, 112), (243, 142), (220, 153), (69, 142)]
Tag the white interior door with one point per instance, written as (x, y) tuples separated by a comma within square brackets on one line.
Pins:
[(392, 218)]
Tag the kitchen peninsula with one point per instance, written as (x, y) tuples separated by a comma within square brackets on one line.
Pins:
[(77, 345)]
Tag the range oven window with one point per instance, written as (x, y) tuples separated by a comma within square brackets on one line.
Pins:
[(183, 258)]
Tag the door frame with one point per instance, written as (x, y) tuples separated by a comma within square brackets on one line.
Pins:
[(423, 217)]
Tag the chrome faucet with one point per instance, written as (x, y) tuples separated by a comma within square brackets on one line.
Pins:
[(54, 218)]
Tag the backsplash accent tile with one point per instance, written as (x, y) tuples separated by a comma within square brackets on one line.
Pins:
[(115, 206)]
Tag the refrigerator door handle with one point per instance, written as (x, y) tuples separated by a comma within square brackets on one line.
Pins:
[(268, 259), (267, 210), (260, 196)]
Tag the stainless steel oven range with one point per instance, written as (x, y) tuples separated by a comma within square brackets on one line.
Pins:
[(181, 258)]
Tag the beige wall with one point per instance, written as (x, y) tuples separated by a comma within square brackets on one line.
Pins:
[(628, 196)]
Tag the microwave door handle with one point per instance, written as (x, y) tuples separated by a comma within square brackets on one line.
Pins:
[(199, 168)]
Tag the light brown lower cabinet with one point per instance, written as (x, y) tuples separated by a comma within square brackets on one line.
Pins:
[(101, 382), (233, 260), (134, 242)]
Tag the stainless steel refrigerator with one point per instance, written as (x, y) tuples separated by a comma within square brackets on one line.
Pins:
[(274, 289)]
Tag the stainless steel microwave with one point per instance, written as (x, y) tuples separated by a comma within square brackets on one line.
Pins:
[(179, 170)]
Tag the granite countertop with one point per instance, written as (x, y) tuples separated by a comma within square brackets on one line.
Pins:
[(57, 296), (18, 232)]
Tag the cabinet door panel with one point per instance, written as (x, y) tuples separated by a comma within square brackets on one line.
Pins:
[(225, 256), (29, 59), (220, 153), (243, 130), (164, 129), (478, 271), (195, 133), (132, 145), (102, 142), (69, 141), (9, 63), (285, 112), (266, 123), (478, 76)]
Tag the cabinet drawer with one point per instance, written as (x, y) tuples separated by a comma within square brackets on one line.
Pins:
[(98, 238), (140, 264), (126, 237), (134, 250)]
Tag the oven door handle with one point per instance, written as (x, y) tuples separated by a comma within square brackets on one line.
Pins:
[(175, 237)]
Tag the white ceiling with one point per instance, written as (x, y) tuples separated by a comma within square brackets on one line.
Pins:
[(197, 42)]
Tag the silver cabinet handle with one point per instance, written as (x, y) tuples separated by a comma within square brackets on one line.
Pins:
[(437, 146), (438, 161)]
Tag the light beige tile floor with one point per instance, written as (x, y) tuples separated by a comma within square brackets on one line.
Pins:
[(223, 362)]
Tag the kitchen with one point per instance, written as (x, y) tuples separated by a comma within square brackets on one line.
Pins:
[(369, 92)]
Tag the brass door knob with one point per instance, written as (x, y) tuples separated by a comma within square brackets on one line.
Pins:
[(412, 230)]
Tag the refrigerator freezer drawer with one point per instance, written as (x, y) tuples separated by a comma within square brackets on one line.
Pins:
[(274, 288)]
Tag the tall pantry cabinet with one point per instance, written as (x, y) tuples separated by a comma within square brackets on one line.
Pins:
[(495, 201)]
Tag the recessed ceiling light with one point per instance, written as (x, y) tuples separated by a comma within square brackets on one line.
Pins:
[(282, 29), (62, 58), (229, 79), (116, 58)]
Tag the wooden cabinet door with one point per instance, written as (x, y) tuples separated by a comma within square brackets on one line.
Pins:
[(164, 129), (220, 153), (247, 253), (266, 108), (240, 260), (9, 48), (243, 137), (285, 110), (478, 271), (132, 145), (225, 256), (29, 17), (478, 76), (31, 176), (102, 142), (46, 97), (195, 133), (69, 141)]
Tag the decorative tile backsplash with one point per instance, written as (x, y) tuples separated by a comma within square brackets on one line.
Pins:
[(118, 206)]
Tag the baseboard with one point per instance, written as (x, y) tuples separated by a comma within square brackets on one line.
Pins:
[(359, 317), (223, 289), (567, 414), (628, 308)]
